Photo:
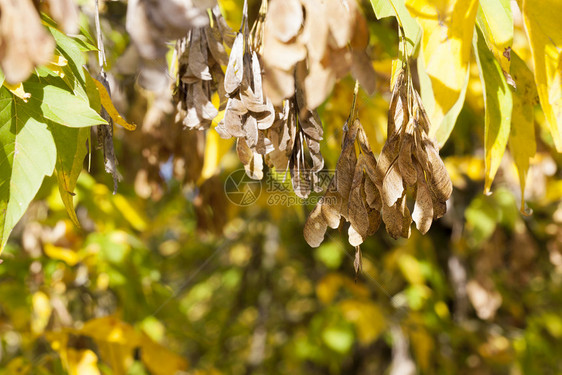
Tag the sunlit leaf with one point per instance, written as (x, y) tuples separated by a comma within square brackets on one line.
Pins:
[(522, 142), (386, 8), (496, 23), (28, 155), (110, 108), (542, 22), (82, 362), (447, 34), (498, 104)]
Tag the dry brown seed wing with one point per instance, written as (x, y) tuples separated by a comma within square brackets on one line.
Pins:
[(439, 208), (318, 83), (420, 113), (197, 61), (353, 237), (286, 17), (244, 152), (235, 68), (405, 162), (24, 42), (393, 220), (233, 119), (332, 203), (250, 128), (440, 182), (205, 109), (406, 218), (278, 84), (356, 211), (300, 175), (315, 227), (372, 194), (257, 73), (423, 208), (215, 43), (374, 221), (388, 156), (345, 168), (363, 71), (65, 12), (267, 117), (392, 186), (227, 34), (315, 32), (341, 20)]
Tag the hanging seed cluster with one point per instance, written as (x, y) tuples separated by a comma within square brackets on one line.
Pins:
[(352, 194), (200, 56), (248, 114), (286, 136), (410, 160), (311, 44), (363, 190)]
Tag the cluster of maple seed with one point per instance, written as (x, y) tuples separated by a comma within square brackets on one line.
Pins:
[(282, 129), (283, 136), (365, 190)]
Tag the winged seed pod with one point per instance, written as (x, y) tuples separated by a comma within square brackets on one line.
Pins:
[(200, 56), (287, 136), (410, 160), (352, 194), (311, 44)]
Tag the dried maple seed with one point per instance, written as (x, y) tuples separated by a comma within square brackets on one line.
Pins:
[(410, 161)]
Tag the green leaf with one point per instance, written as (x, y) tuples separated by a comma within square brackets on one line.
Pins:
[(496, 23), (61, 106), (522, 142), (383, 8), (27, 155), (498, 104), (71, 151)]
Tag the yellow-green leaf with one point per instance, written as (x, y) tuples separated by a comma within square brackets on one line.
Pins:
[(442, 124), (542, 22), (448, 27), (496, 22), (522, 142), (498, 104), (110, 108), (386, 8)]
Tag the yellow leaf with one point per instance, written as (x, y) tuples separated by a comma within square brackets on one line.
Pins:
[(110, 108), (522, 142), (411, 269), (498, 104), (82, 362), (542, 23), (129, 212), (56, 65), (367, 317), (496, 22), (68, 256), (116, 341), (17, 90), (41, 312), (215, 149), (17, 366), (159, 360), (448, 27)]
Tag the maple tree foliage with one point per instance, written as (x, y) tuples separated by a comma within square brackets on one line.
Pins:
[(348, 120)]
